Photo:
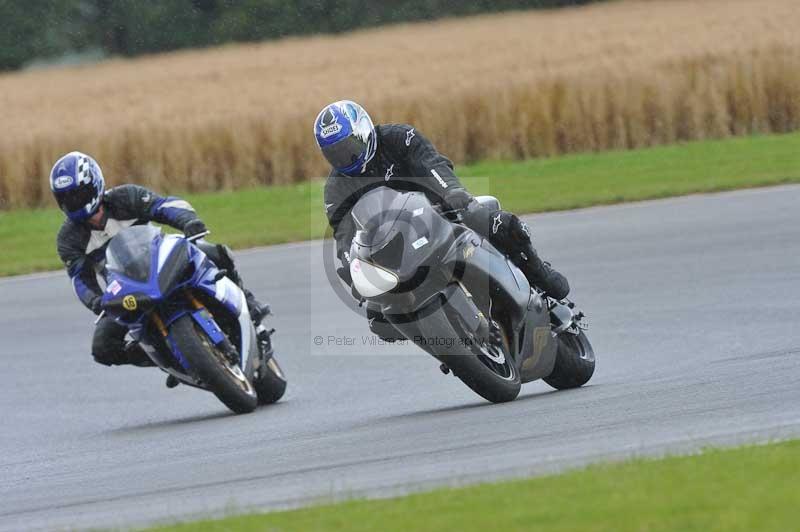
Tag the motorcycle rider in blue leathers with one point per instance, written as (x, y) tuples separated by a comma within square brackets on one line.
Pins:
[(365, 156), (94, 216)]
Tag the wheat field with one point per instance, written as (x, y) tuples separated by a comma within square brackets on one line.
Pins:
[(617, 75)]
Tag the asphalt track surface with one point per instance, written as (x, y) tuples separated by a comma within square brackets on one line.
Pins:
[(693, 306)]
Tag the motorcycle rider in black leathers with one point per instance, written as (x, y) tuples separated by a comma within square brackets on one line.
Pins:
[(365, 156), (94, 216)]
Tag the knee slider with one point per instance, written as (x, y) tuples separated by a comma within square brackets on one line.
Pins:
[(106, 358), (107, 350)]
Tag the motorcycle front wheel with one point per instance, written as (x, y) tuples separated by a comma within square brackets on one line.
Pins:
[(491, 373), (211, 366)]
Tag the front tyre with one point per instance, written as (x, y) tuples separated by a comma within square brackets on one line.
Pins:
[(211, 365), (492, 375), (574, 362)]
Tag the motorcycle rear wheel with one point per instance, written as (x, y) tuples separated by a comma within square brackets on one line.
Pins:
[(574, 362), (271, 382), (211, 366)]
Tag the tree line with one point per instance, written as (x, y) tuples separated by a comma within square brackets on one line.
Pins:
[(40, 29)]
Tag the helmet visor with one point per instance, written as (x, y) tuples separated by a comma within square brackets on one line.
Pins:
[(346, 152), (77, 198)]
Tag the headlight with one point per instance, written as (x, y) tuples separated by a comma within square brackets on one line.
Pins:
[(370, 280)]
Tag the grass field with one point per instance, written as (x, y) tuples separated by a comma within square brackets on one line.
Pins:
[(270, 215), (747, 489), (612, 75)]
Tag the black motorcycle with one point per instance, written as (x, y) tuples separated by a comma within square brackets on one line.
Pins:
[(447, 289)]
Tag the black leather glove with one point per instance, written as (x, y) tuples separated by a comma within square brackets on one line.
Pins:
[(95, 305), (457, 199), (195, 227)]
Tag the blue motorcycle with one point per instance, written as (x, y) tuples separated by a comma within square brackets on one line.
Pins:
[(190, 318)]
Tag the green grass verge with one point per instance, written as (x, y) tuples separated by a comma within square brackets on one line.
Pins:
[(744, 489), (288, 213)]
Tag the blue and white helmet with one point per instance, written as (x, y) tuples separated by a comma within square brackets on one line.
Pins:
[(346, 135), (78, 185)]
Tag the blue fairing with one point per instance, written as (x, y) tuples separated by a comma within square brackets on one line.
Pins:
[(161, 262)]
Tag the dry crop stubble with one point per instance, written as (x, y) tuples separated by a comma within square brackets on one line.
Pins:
[(623, 74)]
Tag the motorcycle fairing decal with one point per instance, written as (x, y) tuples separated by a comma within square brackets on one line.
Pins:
[(227, 293), (209, 326), (541, 336), (223, 290), (168, 244), (419, 242)]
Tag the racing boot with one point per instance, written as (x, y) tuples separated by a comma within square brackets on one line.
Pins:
[(540, 274), (258, 310), (513, 236), (264, 336)]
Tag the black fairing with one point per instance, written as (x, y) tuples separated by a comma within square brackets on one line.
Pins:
[(404, 233), (117, 308), (499, 289)]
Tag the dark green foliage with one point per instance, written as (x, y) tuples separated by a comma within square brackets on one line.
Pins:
[(41, 28)]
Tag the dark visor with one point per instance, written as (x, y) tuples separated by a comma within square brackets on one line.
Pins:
[(345, 152), (77, 198)]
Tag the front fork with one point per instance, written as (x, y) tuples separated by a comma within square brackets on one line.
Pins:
[(203, 318)]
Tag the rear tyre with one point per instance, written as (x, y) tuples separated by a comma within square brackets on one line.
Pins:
[(498, 383), (271, 382), (574, 362), (223, 378)]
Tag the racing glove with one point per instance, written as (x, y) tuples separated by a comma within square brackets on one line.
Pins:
[(195, 227), (457, 199), (95, 305)]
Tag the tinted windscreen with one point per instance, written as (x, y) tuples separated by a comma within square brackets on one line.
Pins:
[(375, 213), (129, 252)]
